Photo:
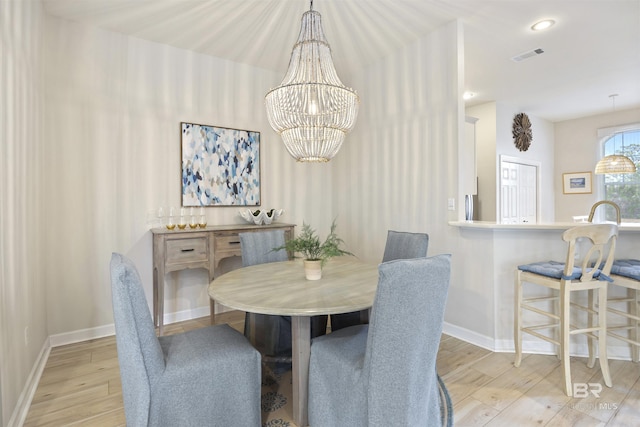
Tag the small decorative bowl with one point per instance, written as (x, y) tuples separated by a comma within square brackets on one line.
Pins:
[(260, 217)]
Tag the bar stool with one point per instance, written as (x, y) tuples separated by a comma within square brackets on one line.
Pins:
[(626, 273), (566, 278)]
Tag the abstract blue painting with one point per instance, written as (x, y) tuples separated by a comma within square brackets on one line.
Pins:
[(220, 166)]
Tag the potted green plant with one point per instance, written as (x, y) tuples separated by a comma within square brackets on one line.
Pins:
[(315, 253)]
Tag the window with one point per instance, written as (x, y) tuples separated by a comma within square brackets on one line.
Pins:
[(623, 189)]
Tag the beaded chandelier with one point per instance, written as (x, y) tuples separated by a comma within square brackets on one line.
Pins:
[(311, 109)]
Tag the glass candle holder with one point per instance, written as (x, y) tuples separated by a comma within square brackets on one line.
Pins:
[(182, 224), (193, 221), (203, 219), (171, 222)]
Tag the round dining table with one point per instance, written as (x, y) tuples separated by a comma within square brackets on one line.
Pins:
[(280, 288)]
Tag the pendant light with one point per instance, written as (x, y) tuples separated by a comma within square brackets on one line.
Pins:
[(615, 163), (311, 109)]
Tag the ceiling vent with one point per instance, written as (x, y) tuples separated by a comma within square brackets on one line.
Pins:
[(527, 55)]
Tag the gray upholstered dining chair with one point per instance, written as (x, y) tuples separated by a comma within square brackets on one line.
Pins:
[(383, 374), (208, 376), (405, 245), (399, 245), (271, 335)]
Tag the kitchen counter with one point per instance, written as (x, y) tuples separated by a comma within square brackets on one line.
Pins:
[(485, 262)]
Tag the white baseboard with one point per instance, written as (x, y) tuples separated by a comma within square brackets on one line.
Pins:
[(24, 401), (108, 330), (469, 336), (181, 316), (616, 349), (81, 335)]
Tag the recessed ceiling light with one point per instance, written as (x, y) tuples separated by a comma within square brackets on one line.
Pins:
[(543, 25), (468, 95)]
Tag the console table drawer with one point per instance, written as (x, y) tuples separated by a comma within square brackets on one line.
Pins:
[(227, 242), (189, 250)]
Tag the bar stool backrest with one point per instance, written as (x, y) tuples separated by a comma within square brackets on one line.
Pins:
[(603, 238)]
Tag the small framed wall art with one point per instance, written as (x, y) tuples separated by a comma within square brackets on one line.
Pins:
[(576, 183), (220, 166)]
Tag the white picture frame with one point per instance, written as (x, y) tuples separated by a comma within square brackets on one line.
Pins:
[(577, 183)]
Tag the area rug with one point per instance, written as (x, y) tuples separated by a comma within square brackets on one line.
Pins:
[(277, 409)]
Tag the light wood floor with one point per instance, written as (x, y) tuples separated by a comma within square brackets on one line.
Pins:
[(81, 386)]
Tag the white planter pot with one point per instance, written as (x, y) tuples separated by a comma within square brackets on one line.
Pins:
[(313, 269)]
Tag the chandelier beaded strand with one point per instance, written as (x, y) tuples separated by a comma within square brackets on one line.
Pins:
[(311, 109)]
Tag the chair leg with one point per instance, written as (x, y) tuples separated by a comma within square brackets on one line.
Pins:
[(565, 300), (635, 331), (602, 336), (517, 320), (558, 331), (591, 362)]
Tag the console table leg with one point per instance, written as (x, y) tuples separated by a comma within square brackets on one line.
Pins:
[(160, 305), (155, 297), (212, 308)]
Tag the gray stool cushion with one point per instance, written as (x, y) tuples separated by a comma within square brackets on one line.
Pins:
[(627, 268), (555, 270)]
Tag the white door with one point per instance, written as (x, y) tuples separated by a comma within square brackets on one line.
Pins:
[(528, 192), (518, 193)]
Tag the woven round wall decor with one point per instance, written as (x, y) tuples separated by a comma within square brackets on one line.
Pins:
[(522, 134)]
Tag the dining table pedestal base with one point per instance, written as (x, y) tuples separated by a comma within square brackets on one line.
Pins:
[(301, 352)]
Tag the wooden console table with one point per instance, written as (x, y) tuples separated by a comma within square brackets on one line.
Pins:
[(175, 250)]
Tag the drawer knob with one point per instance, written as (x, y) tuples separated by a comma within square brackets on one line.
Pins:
[(188, 250)]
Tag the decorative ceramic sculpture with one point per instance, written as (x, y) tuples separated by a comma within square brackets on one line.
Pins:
[(260, 217)]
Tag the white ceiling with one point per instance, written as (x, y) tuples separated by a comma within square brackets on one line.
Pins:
[(592, 51)]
